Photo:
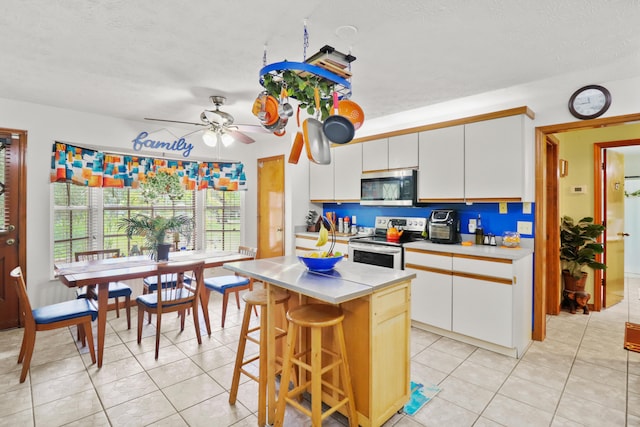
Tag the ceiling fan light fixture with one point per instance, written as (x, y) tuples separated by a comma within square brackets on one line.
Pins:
[(210, 137), (226, 139)]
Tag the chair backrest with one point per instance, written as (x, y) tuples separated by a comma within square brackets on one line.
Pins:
[(189, 277), (246, 250), (23, 299), (100, 254)]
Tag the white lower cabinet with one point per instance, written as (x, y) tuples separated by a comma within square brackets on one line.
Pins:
[(483, 310), (431, 298), (482, 300), (431, 289)]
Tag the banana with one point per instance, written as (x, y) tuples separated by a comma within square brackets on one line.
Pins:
[(323, 236)]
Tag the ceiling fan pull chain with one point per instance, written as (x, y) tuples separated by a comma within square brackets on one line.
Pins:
[(264, 55), (305, 42)]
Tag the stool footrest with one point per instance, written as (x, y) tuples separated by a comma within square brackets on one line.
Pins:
[(324, 415)]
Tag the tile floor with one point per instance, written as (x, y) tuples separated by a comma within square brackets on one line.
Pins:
[(580, 375)]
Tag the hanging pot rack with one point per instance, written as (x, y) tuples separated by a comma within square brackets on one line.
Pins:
[(318, 71), (340, 85)]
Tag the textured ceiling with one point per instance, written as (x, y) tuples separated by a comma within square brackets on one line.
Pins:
[(163, 58)]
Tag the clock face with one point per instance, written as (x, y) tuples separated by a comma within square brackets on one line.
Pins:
[(590, 102)]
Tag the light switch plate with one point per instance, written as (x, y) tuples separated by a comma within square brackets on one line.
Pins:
[(503, 207), (526, 208), (525, 227)]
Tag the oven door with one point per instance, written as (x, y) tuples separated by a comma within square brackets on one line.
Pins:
[(381, 255)]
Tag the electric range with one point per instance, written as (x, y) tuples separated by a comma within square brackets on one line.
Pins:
[(377, 250)]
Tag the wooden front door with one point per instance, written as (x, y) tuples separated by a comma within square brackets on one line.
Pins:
[(12, 221), (613, 291), (271, 207)]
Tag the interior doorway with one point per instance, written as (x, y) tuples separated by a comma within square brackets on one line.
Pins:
[(547, 282), (271, 206)]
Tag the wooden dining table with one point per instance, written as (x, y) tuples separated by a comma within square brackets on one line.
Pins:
[(98, 273)]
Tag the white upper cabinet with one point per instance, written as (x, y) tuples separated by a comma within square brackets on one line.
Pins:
[(403, 151), (321, 180), (375, 155), (347, 160), (499, 159), (441, 159), (396, 152)]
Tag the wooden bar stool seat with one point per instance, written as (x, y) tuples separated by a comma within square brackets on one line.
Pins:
[(338, 393), (252, 299)]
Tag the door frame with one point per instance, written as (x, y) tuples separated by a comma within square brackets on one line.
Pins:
[(547, 286)]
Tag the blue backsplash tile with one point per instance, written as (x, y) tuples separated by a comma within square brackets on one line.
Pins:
[(492, 220)]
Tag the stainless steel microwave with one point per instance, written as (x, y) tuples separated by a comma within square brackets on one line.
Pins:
[(389, 188)]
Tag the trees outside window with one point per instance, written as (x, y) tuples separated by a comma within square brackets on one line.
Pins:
[(86, 218)]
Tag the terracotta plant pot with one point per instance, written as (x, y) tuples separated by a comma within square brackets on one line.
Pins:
[(573, 284)]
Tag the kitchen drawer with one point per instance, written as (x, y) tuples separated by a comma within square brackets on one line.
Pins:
[(433, 260), (486, 267)]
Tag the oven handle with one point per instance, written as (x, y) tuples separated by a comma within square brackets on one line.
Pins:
[(376, 248)]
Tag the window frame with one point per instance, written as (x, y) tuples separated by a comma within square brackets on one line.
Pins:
[(96, 210)]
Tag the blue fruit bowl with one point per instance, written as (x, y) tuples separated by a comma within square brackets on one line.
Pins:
[(320, 264)]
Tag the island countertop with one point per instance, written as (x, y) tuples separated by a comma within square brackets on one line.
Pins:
[(345, 282)]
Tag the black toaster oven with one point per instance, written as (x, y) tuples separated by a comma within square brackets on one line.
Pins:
[(444, 226)]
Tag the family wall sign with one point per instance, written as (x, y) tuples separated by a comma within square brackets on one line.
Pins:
[(142, 141)]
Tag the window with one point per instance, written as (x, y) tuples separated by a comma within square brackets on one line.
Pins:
[(222, 220), (87, 218), (71, 220)]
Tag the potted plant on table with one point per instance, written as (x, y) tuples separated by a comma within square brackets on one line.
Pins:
[(578, 250), (155, 228)]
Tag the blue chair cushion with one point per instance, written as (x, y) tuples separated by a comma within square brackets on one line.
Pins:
[(222, 283), (167, 282), (65, 310), (151, 300), (116, 289)]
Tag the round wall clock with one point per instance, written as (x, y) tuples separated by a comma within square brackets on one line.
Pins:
[(589, 102)]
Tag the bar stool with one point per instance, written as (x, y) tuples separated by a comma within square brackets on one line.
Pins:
[(316, 317), (256, 297)]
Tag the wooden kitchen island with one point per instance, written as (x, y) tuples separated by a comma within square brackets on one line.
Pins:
[(376, 302)]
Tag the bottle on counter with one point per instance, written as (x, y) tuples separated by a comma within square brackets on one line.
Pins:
[(479, 231), (347, 227)]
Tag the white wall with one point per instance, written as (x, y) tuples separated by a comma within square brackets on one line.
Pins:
[(548, 99)]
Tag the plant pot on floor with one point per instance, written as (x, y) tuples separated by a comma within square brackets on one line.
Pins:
[(572, 283), (574, 297), (162, 252)]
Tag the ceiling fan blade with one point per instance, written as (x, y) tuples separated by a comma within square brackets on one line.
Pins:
[(240, 137), (176, 121), (251, 128), (191, 133)]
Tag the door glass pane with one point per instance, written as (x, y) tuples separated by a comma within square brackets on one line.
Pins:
[(3, 199)]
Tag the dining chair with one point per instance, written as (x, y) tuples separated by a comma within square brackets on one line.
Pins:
[(180, 298), (234, 283), (116, 289), (79, 312)]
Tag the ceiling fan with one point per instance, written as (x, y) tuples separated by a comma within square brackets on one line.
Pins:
[(219, 126)]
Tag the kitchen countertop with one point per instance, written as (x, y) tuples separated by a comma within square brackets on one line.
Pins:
[(457, 248), (476, 250), (345, 282)]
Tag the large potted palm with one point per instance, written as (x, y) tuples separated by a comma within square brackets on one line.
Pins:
[(154, 229), (578, 249)]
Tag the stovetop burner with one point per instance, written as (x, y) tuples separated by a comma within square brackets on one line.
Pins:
[(411, 228)]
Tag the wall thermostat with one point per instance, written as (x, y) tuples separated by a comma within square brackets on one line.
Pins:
[(579, 189)]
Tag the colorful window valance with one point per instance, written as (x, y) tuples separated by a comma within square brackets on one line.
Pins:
[(94, 168)]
